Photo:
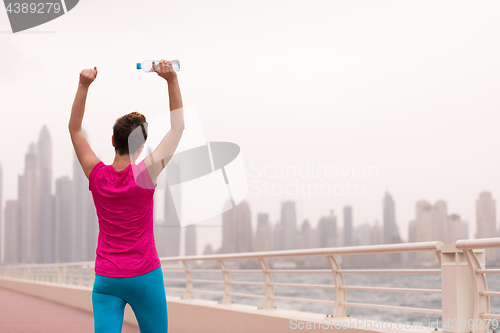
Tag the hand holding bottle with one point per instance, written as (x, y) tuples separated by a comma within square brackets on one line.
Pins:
[(165, 70)]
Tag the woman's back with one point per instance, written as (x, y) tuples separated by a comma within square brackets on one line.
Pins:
[(124, 206)]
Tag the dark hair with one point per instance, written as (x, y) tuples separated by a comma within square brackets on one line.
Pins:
[(126, 134)]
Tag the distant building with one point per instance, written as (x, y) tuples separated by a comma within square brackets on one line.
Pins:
[(288, 225), (208, 250), (486, 217), (236, 229), (12, 233), (64, 233), (47, 221), (453, 230), (29, 208), (190, 244), (308, 235), (327, 231), (168, 233), (432, 223), (376, 234), (363, 234), (390, 231), (262, 240), (465, 230), (84, 221), (276, 237), (347, 226)]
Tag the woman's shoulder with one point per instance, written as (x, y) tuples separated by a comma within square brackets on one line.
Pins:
[(142, 177)]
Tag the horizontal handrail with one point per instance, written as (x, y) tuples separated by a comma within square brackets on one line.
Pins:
[(247, 295), (491, 271), (490, 316), (481, 243), (404, 290), (248, 283), (489, 293), (321, 286), (391, 307), (207, 291), (392, 271), (368, 249), (329, 271), (206, 281), (306, 300)]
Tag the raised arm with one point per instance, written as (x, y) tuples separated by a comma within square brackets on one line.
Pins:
[(158, 159), (84, 153)]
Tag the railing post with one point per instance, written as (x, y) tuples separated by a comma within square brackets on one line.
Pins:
[(60, 275), (91, 275), (461, 300), (476, 260), (189, 281), (80, 275), (269, 288), (227, 283), (340, 293)]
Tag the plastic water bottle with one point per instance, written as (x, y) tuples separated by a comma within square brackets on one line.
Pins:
[(147, 65)]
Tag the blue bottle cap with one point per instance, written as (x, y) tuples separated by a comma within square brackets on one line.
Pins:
[(139, 65)]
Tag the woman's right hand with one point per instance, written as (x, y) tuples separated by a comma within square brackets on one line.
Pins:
[(165, 70)]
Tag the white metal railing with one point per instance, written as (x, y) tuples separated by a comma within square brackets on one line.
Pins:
[(340, 302), (481, 294), (82, 274)]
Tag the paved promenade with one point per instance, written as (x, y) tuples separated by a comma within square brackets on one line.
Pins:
[(20, 313)]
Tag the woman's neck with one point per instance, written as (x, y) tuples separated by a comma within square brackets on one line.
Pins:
[(121, 162)]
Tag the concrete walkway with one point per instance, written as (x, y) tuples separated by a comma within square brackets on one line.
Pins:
[(20, 313)]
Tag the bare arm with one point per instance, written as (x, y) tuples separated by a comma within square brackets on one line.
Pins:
[(159, 158), (85, 154)]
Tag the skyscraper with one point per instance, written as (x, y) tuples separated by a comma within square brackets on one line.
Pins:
[(236, 229), (29, 207), (376, 234), (391, 232), (12, 233), (190, 244), (327, 231), (168, 233), (486, 217), (64, 233), (276, 237), (433, 223), (288, 224), (347, 226), (84, 221), (78, 210), (263, 233), (46, 218), (308, 235)]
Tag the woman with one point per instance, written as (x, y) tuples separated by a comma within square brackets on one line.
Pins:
[(127, 266)]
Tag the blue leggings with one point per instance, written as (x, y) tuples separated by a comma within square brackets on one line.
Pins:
[(145, 294)]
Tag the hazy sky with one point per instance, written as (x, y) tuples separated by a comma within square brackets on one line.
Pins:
[(409, 88)]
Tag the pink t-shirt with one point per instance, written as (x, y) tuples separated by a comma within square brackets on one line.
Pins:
[(124, 205)]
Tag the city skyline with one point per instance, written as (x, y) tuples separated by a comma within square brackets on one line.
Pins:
[(421, 109), (49, 213)]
